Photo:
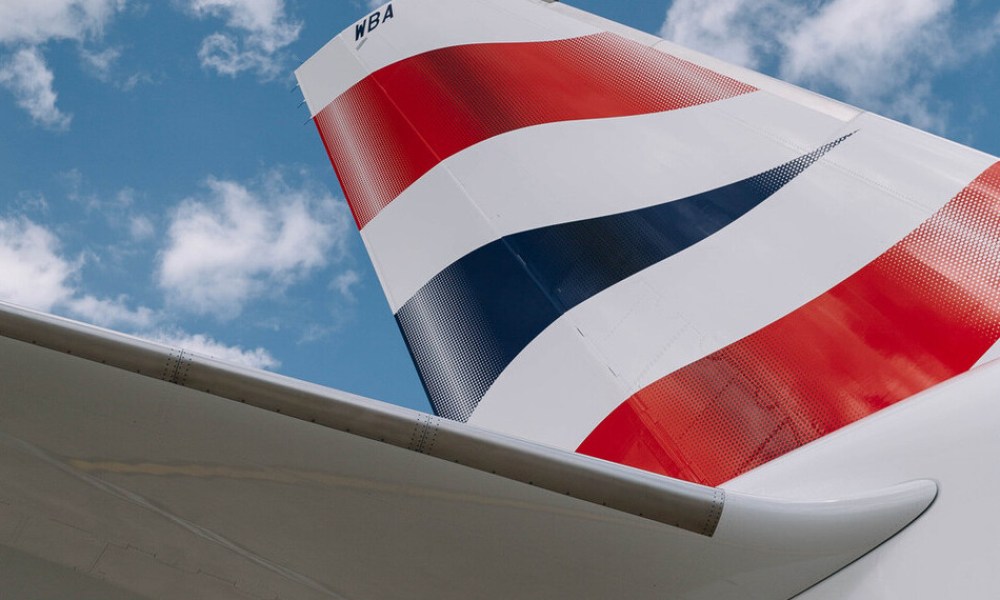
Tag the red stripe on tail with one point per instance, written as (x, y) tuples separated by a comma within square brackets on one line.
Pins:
[(923, 312), (399, 122)]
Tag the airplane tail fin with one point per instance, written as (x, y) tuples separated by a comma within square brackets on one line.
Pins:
[(597, 240)]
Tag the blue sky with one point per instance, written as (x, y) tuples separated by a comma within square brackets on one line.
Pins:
[(158, 177)]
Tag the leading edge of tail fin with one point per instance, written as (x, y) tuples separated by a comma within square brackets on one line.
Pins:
[(598, 241)]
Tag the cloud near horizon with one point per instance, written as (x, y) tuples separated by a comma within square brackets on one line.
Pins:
[(205, 345), (35, 274), (883, 56)]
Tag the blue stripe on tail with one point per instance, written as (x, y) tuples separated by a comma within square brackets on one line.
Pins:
[(473, 318)]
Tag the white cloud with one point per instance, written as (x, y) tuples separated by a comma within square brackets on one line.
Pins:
[(27, 76), (32, 273), (257, 358), (141, 228), (24, 26), (111, 313), (243, 242), (257, 33), (918, 106), (28, 202), (739, 31), (38, 21), (100, 63), (862, 46), (881, 55), (103, 65), (132, 81), (346, 282)]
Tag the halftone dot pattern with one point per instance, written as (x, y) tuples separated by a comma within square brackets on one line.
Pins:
[(922, 312), (399, 122), (471, 320), (437, 330), (574, 261)]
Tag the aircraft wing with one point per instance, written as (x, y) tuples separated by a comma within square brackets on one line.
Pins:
[(133, 470), (690, 332), (596, 240)]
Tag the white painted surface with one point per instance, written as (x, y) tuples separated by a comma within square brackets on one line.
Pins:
[(948, 434), (582, 169), (117, 485), (568, 171), (342, 63), (822, 227), (834, 219), (991, 355)]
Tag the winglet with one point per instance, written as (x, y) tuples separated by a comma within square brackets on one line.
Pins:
[(846, 526)]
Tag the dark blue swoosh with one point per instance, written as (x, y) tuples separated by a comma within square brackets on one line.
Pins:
[(469, 322)]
